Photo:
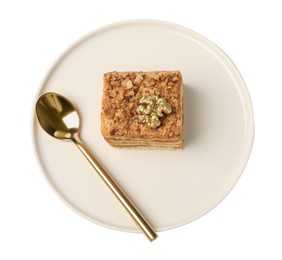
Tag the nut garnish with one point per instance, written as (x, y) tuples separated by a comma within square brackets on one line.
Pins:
[(129, 84), (138, 79), (150, 109)]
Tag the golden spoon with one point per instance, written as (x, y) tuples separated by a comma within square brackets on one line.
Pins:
[(58, 118)]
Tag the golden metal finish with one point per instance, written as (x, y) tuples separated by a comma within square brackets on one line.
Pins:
[(58, 118), (150, 109)]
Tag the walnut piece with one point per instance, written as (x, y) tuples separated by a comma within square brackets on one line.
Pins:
[(150, 109)]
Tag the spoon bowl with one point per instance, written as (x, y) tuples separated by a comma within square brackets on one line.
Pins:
[(59, 118)]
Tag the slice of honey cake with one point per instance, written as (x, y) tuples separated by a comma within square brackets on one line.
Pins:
[(143, 109)]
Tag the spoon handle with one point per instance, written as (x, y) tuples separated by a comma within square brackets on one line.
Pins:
[(140, 221)]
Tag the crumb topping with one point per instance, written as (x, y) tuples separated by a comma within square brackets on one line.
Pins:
[(122, 93)]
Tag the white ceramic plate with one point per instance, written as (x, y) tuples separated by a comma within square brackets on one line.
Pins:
[(171, 188)]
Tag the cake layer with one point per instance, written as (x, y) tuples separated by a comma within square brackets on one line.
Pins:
[(148, 145)]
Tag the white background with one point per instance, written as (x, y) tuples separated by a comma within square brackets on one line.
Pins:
[(36, 224)]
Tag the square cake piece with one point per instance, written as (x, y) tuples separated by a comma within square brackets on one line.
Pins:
[(143, 109)]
